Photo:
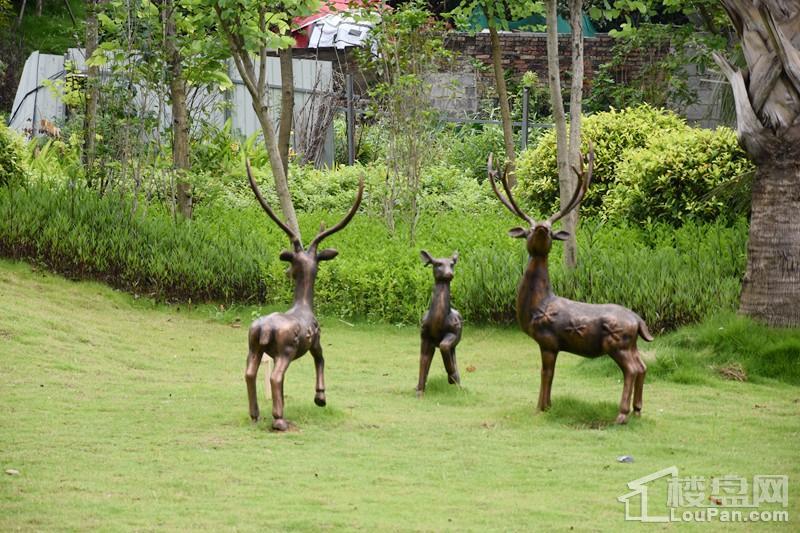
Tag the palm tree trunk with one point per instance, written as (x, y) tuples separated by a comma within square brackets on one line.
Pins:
[(771, 287), (767, 98)]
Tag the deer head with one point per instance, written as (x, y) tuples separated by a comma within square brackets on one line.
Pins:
[(304, 261), (442, 267), (540, 235)]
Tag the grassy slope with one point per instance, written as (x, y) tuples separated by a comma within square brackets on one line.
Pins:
[(124, 415), (54, 31)]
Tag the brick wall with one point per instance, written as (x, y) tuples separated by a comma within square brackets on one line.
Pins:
[(524, 51)]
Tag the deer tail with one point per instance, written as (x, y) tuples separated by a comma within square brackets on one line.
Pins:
[(259, 335), (643, 331)]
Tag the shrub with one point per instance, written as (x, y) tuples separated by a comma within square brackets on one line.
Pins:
[(611, 133), (669, 276), (443, 188), (471, 148), (676, 175), (370, 142), (13, 169)]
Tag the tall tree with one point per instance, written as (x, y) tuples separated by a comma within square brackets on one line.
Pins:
[(498, 15), (92, 91), (568, 148), (502, 96), (180, 112), (253, 28), (767, 98), (287, 106)]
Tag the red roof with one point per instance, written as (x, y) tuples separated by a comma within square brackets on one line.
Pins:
[(302, 33)]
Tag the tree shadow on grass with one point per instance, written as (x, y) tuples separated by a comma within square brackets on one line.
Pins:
[(310, 414), (578, 413), (438, 390), (568, 411), (299, 417)]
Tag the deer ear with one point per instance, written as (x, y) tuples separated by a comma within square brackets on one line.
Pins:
[(518, 233), (327, 254), (286, 255), (426, 257), (454, 259), (561, 235)]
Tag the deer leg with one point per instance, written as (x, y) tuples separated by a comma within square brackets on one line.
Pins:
[(276, 382), (638, 390), (548, 370), (448, 349), (629, 366), (426, 356), (319, 365), (250, 374)]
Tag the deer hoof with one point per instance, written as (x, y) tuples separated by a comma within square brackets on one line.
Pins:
[(622, 419), (279, 424), (255, 417), (319, 399), (420, 393), (454, 379), (637, 412)]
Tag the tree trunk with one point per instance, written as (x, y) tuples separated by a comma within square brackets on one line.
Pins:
[(287, 106), (180, 113), (566, 177), (92, 93), (256, 86), (39, 7), (21, 13), (570, 223), (276, 164), (767, 98), (502, 96), (771, 287)]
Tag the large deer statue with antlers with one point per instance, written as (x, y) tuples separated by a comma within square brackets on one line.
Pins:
[(287, 336), (555, 323)]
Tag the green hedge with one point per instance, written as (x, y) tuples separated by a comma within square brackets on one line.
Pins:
[(671, 277), (12, 156), (677, 177), (649, 165), (611, 133)]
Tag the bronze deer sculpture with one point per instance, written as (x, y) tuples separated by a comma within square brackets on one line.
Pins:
[(555, 323), (441, 324), (288, 336)]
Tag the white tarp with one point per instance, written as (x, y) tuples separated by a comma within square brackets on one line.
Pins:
[(337, 31)]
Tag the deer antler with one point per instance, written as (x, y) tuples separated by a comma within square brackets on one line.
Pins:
[(298, 246), (508, 201), (323, 233), (584, 178)]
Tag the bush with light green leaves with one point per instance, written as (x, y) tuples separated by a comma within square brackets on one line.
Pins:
[(679, 175), (13, 169), (611, 134)]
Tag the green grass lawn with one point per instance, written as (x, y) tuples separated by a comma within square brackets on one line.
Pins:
[(123, 414), (54, 31)]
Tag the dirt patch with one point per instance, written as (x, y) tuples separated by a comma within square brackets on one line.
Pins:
[(732, 372)]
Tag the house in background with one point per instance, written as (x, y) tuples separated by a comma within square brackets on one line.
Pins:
[(337, 24)]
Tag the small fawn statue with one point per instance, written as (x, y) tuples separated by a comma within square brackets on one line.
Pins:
[(556, 323), (441, 325), (287, 336)]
